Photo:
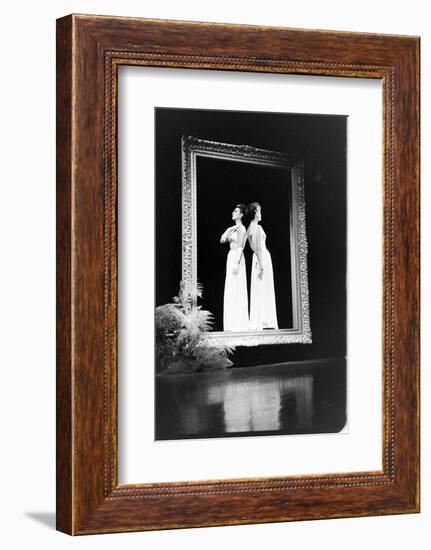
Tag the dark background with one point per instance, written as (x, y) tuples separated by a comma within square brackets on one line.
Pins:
[(320, 141), (221, 185)]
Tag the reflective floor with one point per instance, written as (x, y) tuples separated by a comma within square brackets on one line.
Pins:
[(291, 398)]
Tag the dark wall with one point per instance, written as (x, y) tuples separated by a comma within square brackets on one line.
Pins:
[(220, 186), (320, 140)]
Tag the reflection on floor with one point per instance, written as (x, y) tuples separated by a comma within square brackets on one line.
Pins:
[(289, 398)]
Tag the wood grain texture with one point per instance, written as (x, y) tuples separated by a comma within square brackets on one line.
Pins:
[(64, 496), (90, 49)]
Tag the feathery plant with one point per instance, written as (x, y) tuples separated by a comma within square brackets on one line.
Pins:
[(181, 343)]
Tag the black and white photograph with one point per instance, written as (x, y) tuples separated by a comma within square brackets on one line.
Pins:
[(250, 320), (215, 267)]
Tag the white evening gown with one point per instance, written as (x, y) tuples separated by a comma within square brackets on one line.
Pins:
[(263, 311), (235, 307)]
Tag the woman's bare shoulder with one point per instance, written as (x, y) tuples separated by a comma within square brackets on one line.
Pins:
[(258, 230)]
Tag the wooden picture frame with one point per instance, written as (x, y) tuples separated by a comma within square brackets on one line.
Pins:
[(89, 51)]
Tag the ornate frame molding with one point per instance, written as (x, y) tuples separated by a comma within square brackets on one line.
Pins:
[(192, 148), (89, 496)]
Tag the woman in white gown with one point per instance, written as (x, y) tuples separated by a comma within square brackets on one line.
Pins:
[(263, 312), (235, 307)]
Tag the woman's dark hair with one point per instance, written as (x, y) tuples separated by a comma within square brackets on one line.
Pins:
[(250, 211), (241, 207)]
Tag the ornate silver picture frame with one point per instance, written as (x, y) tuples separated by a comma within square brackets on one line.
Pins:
[(192, 149)]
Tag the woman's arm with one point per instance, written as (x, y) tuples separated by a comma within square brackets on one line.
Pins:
[(259, 254), (225, 237)]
